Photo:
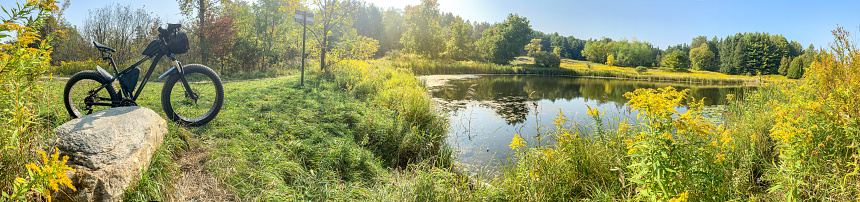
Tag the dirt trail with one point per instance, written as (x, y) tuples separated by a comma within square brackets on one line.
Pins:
[(195, 183)]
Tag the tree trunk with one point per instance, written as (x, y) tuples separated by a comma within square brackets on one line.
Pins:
[(322, 53), (201, 15)]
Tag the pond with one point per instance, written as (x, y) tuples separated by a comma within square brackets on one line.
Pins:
[(485, 111)]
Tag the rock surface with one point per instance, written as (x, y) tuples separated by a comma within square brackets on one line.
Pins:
[(109, 150)]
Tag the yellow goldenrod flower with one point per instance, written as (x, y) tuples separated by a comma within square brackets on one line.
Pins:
[(517, 142)]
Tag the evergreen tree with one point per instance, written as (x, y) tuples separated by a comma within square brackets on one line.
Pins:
[(797, 67), (784, 65)]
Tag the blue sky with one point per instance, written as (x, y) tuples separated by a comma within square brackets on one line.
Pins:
[(662, 23)]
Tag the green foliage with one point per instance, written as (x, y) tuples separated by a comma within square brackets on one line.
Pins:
[(506, 40), (556, 172), (753, 53), (423, 34), (784, 65), (817, 130), (595, 51), (610, 60), (674, 158), (369, 23), (677, 61), (702, 58), (460, 46), (626, 53), (533, 46), (641, 69), (795, 71), (44, 180), (392, 22), (546, 59)]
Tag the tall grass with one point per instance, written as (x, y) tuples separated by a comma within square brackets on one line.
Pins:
[(781, 142), (420, 131)]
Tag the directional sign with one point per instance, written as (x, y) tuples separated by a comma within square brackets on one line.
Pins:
[(304, 17)]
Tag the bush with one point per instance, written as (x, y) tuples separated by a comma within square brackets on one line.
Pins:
[(73, 67), (641, 69), (546, 59), (677, 61)]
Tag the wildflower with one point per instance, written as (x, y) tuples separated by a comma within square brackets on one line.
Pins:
[(593, 111), (668, 136), (720, 158), (729, 97), (517, 142), (680, 197), (623, 127)]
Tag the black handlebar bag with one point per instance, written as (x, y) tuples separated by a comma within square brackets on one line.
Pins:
[(177, 43)]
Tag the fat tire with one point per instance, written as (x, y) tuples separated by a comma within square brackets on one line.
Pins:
[(88, 74), (173, 79)]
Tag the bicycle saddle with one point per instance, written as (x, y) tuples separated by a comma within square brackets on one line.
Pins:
[(103, 48)]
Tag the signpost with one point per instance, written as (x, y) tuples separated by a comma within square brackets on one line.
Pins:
[(304, 18)]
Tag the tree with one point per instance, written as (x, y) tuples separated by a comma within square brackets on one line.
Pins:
[(369, 23), (460, 46), (330, 16), (120, 27), (796, 69), (220, 34), (505, 41), (677, 61), (392, 22), (784, 65), (423, 34), (546, 59), (187, 7), (610, 60), (533, 47), (698, 41), (702, 57), (595, 51)]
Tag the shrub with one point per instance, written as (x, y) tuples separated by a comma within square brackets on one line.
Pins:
[(675, 158), (817, 131), (546, 59), (641, 69), (677, 61), (73, 67)]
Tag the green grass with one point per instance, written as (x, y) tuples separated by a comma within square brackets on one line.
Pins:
[(367, 131), (336, 138)]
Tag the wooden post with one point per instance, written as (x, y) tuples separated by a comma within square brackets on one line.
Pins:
[(302, 17)]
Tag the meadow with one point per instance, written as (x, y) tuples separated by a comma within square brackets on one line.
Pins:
[(574, 68), (366, 130)]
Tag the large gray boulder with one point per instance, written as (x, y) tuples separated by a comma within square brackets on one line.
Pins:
[(109, 150)]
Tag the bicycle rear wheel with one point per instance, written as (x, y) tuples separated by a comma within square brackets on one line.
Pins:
[(195, 108), (82, 95)]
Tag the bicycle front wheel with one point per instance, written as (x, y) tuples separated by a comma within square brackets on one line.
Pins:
[(196, 107)]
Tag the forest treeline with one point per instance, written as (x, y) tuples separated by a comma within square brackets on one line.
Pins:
[(240, 36)]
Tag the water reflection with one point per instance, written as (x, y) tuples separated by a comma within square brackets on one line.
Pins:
[(486, 111)]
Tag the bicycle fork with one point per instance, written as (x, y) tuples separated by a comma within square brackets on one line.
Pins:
[(189, 93)]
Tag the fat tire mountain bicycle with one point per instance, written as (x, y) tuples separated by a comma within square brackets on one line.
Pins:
[(194, 101)]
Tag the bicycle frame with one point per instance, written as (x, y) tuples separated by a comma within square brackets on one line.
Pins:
[(124, 94)]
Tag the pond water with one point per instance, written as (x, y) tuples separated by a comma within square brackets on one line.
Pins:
[(486, 111)]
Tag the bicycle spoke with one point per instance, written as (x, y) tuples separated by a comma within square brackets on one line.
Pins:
[(183, 103)]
